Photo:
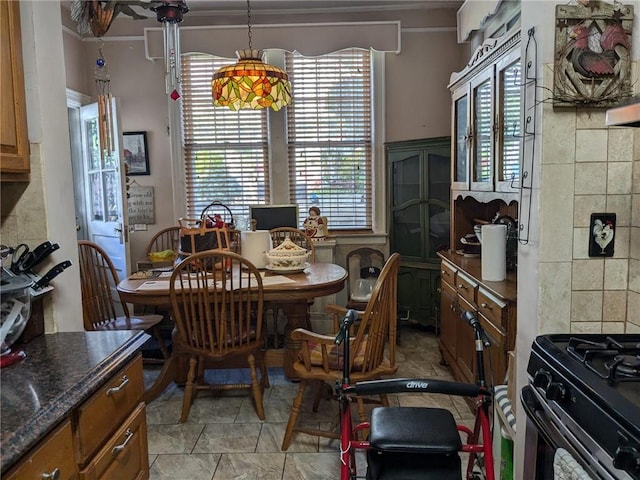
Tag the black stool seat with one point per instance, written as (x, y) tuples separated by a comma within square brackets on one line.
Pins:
[(414, 429)]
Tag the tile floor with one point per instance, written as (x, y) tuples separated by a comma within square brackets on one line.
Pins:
[(223, 438)]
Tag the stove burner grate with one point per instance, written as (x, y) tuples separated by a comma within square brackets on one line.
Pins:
[(608, 359), (624, 366)]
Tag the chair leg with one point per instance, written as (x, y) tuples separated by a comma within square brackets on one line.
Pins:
[(264, 374), (255, 387), (318, 395), (188, 389), (362, 415), (293, 416)]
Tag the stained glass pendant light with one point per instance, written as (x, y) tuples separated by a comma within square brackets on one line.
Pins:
[(251, 83)]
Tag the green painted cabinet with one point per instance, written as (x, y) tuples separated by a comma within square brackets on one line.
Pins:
[(419, 183)]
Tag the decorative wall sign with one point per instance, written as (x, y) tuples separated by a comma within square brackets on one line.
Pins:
[(592, 66), (141, 205), (602, 232), (136, 155)]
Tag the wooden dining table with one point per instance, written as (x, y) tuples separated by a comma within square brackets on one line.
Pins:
[(317, 280)]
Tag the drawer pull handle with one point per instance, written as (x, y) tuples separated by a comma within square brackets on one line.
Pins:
[(118, 448), (462, 286), (485, 305), (123, 383), (444, 272), (453, 307), (55, 475)]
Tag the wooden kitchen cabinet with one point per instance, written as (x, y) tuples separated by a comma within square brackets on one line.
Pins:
[(53, 454), (487, 132), (494, 303), (486, 118), (103, 438), (99, 416), (14, 139), (448, 314)]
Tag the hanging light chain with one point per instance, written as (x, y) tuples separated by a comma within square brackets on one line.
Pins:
[(249, 22)]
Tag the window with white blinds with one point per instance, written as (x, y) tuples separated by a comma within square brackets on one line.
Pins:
[(329, 136), (225, 152)]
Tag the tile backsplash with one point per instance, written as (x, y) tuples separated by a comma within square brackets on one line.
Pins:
[(22, 217), (600, 170)]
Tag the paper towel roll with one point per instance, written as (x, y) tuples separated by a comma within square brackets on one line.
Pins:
[(494, 252), (253, 245)]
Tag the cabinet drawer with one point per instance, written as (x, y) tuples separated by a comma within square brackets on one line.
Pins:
[(448, 274), (107, 408), (494, 333), (55, 452), (125, 455), (466, 287), (493, 308)]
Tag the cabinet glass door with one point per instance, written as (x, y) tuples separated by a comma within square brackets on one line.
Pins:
[(483, 136), (461, 138), (406, 227), (510, 135)]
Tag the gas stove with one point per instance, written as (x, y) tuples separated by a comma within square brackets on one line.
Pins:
[(584, 396)]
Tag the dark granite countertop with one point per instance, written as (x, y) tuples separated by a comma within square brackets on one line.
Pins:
[(60, 372)]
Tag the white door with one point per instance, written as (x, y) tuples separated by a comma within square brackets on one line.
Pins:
[(104, 184)]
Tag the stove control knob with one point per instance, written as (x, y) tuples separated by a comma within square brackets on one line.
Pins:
[(557, 392), (542, 379), (627, 459)]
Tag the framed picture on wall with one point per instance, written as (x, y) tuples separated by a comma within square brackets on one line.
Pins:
[(136, 155), (601, 234)]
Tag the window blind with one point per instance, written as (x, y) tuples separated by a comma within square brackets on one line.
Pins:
[(329, 136), (511, 82), (225, 152), (483, 131)]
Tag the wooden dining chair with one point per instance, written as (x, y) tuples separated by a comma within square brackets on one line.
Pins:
[(165, 239), (373, 348), (364, 266), (98, 281), (278, 235), (217, 301)]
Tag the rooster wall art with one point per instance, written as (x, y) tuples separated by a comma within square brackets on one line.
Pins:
[(593, 44), (603, 227)]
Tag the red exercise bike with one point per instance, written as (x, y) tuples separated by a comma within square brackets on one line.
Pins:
[(415, 442)]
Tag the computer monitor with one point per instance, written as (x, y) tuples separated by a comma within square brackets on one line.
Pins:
[(273, 216)]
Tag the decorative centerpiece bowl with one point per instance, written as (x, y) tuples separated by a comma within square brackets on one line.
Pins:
[(287, 256)]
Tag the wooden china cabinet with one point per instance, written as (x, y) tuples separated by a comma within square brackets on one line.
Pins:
[(485, 173), (419, 215), (14, 140)]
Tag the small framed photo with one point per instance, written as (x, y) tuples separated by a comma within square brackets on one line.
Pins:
[(136, 155), (601, 234)]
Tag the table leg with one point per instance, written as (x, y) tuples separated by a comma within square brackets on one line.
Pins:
[(296, 313), (166, 376)]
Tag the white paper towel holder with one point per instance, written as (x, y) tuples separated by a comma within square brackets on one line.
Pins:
[(493, 255)]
